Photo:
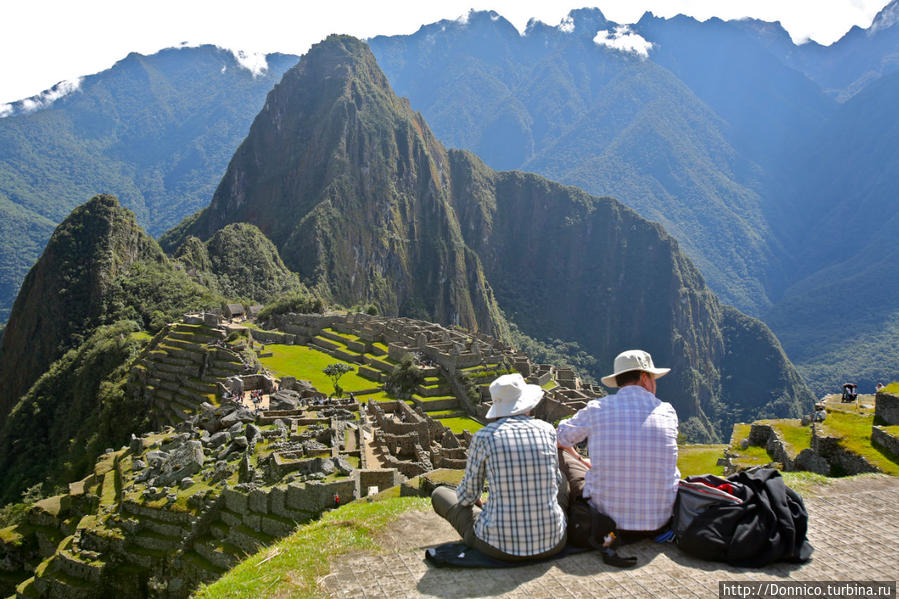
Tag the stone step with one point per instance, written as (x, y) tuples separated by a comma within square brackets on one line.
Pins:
[(174, 360), (189, 403), (200, 387), (218, 553), (143, 556), (332, 336), (324, 343), (163, 394), (222, 373), (247, 539), (60, 584), (381, 365), (186, 346), (348, 356), (72, 565), (173, 369), (193, 338), (149, 539), (205, 569)]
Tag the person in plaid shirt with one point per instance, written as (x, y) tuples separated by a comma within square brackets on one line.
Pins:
[(517, 455), (632, 473)]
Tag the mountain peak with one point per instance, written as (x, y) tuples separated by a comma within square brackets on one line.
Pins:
[(62, 296)]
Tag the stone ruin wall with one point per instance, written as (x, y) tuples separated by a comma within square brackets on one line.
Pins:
[(886, 408), (882, 439), (825, 456)]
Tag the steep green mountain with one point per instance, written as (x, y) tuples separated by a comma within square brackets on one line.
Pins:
[(553, 101), (98, 267), (352, 188), (366, 205), (238, 262), (156, 131)]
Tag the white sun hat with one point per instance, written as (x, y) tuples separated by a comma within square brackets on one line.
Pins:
[(633, 359), (512, 395)]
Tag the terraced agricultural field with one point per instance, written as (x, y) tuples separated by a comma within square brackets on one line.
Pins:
[(306, 363)]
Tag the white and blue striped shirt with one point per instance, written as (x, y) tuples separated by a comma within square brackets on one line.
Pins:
[(517, 456), (632, 442)]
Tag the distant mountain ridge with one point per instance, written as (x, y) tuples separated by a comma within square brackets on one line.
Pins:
[(156, 131), (360, 199), (727, 133)]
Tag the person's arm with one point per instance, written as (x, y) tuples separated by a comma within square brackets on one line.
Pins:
[(469, 489), (573, 451), (574, 430)]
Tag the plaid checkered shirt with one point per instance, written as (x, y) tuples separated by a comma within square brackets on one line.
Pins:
[(632, 441), (517, 455)]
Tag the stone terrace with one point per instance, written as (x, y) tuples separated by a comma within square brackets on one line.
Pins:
[(853, 526)]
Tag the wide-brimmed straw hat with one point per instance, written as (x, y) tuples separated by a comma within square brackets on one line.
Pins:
[(633, 359), (512, 395)]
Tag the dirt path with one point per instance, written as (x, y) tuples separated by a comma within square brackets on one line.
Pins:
[(853, 526)]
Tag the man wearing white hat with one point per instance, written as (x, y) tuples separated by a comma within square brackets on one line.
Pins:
[(632, 474), (517, 454)]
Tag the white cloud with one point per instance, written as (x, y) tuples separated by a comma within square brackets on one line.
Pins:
[(888, 17), (255, 62), (41, 100), (567, 25), (623, 40)]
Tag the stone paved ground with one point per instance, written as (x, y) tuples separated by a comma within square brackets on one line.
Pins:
[(854, 529)]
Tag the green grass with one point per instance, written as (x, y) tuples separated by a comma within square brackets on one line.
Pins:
[(457, 425), (700, 459), (855, 433), (795, 435), (550, 384), (752, 455), (290, 567), (307, 364), (892, 388), (424, 399), (11, 536), (803, 482), (446, 413)]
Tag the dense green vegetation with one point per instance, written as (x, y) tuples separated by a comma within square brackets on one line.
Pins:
[(99, 267), (76, 410), (239, 262)]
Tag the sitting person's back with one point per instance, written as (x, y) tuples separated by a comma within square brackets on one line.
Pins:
[(516, 455), (632, 442)]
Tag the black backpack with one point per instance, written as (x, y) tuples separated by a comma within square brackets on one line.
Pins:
[(589, 528)]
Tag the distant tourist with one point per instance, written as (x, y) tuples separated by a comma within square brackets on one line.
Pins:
[(879, 387), (516, 454), (632, 474)]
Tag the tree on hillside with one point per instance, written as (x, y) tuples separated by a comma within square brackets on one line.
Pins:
[(406, 376), (334, 372)]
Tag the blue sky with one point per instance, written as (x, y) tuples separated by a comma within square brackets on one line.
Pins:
[(42, 43)]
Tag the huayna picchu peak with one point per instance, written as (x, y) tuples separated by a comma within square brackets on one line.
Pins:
[(367, 206)]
